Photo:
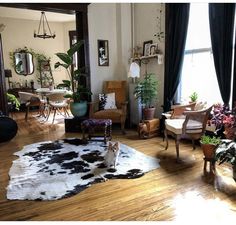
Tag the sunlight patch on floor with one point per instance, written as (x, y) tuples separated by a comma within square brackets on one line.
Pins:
[(191, 206)]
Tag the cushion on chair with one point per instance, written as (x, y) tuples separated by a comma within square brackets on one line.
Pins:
[(108, 114), (107, 101), (176, 126)]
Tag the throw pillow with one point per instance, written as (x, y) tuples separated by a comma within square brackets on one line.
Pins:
[(107, 101)]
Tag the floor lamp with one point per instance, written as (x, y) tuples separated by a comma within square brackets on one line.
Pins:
[(8, 74)]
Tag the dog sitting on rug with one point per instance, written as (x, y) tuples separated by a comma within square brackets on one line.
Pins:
[(112, 154)]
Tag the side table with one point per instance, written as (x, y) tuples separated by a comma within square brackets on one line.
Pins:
[(149, 128)]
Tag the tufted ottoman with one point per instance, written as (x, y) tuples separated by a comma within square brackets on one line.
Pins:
[(94, 125)]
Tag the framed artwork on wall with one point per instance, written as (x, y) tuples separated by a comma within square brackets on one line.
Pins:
[(103, 53), (146, 47)]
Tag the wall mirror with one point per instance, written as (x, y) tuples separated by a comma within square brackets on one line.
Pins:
[(23, 63), (103, 53)]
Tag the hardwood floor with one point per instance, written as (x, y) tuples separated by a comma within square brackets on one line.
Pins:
[(175, 191)]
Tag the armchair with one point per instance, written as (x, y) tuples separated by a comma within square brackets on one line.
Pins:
[(192, 126), (116, 115)]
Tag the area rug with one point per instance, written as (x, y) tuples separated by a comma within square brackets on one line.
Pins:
[(59, 169)]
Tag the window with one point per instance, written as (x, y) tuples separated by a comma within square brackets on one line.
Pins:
[(198, 71)]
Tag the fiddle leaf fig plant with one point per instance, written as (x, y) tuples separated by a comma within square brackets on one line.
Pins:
[(78, 91)]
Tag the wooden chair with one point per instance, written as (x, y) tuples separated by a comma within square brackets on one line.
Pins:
[(116, 115), (192, 126)]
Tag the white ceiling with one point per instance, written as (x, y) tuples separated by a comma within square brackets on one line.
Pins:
[(34, 15)]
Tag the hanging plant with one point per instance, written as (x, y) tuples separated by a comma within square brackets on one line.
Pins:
[(159, 33)]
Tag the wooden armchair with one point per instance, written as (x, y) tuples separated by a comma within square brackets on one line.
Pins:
[(192, 126), (116, 115)]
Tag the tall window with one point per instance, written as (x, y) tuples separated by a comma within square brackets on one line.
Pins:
[(198, 72)]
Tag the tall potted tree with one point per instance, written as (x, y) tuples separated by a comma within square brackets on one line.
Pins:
[(146, 92), (78, 105)]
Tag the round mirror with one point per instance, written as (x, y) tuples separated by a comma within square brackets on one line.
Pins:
[(23, 63)]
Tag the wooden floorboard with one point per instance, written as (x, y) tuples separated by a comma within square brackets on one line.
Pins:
[(175, 191)]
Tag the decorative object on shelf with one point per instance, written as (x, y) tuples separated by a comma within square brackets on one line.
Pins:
[(44, 26), (8, 74), (134, 71), (160, 58), (226, 152), (137, 51), (103, 53), (146, 91), (209, 145), (159, 33), (78, 107), (153, 49), (146, 47)]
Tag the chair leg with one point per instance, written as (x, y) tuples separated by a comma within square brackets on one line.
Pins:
[(55, 110), (48, 113), (26, 113), (166, 138), (177, 148), (193, 143), (123, 127)]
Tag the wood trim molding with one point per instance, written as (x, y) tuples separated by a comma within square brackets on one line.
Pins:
[(3, 97)]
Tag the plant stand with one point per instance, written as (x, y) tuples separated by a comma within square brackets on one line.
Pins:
[(209, 152)]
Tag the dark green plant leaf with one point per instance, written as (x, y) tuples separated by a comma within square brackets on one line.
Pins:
[(74, 48), (65, 58)]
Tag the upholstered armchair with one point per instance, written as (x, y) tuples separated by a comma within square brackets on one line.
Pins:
[(191, 126), (116, 115)]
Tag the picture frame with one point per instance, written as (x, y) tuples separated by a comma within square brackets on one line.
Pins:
[(153, 49), (146, 47), (103, 53)]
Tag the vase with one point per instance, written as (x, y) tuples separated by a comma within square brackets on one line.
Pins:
[(78, 109)]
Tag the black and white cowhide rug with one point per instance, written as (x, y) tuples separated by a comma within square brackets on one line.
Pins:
[(55, 170)]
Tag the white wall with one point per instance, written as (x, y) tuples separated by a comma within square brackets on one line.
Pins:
[(110, 22), (19, 33), (145, 26)]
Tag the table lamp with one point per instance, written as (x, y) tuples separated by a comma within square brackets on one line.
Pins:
[(8, 74)]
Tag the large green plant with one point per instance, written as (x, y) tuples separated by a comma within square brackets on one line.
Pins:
[(78, 91), (12, 98), (146, 90)]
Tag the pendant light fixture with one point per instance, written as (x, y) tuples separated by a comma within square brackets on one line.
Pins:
[(44, 28)]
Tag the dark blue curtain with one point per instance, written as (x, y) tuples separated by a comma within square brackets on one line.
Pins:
[(177, 15), (221, 18)]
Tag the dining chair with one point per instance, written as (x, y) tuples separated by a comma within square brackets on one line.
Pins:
[(31, 100), (57, 102)]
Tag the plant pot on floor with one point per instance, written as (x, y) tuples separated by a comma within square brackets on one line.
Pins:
[(208, 150), (148, 113), (78, 109)]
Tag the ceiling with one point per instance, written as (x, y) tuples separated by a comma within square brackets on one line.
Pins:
[(34, 15)]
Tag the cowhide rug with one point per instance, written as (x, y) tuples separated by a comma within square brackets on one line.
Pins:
[(55, 170)]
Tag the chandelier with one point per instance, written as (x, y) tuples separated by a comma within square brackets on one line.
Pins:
[(44, 26)]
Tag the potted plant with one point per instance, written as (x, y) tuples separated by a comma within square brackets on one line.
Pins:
[(209, 145), (193, 97), (226, 152), (146, 92), (12, 98), (78, 106)]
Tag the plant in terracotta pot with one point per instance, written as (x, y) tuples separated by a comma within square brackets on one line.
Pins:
[(209, 145), (193, 97), (226, 152), (78, 106), (146, 92)]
